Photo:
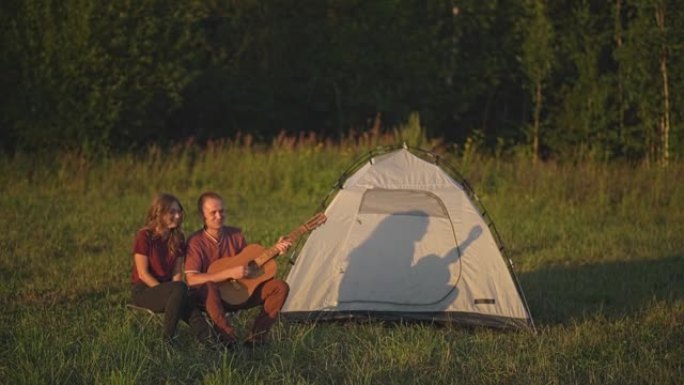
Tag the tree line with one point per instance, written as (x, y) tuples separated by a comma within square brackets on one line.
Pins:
[(565, 78)]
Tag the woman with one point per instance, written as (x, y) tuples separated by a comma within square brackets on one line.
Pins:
[(158, 253)]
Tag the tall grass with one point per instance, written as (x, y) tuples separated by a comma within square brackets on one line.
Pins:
[(598, 249)]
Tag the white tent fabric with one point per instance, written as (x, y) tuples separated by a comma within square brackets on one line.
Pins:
[(404, 240)]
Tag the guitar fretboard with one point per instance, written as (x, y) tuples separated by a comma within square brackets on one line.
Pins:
[(292, 237)]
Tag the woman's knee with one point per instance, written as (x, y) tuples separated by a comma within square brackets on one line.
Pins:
[(178, 289)]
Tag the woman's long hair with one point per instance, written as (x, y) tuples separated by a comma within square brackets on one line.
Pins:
[(159, 208)]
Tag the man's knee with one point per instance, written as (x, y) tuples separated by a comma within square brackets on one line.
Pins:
[(280, 286), (278, 290)]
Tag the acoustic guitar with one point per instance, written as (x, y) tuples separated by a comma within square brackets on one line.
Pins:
[(260, 262)]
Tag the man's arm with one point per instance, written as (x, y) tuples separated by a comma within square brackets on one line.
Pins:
[(194, 274), (195, 278)]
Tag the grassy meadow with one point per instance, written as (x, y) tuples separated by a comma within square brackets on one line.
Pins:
[(598, 249)]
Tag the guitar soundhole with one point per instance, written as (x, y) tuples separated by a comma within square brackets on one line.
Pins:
[(254, 270)]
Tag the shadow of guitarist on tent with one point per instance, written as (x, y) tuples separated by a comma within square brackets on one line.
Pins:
[(402, 262)]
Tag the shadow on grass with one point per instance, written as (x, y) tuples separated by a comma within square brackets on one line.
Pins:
[(564, 294)]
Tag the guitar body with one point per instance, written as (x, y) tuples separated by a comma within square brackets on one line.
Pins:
[(237, 292), (260, 265)]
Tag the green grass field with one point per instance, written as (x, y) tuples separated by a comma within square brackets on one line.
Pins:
[(598, 249)]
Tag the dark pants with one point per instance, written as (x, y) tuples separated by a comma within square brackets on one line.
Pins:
[(172, 299)]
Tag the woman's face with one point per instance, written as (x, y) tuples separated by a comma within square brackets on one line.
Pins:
[(174, 217)]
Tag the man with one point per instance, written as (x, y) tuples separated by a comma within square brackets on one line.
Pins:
[(214, 241)]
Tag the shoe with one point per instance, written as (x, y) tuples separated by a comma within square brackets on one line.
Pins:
[(228, 341), (225, 337), (172, 342), (170, 345), (256, 340)]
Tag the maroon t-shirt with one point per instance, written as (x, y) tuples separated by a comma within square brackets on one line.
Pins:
[(160, 261), (203, 249)]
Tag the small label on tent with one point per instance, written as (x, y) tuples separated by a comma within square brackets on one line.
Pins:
[(485, 301)]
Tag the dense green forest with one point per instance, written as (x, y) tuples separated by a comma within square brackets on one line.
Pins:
[(564, 79)]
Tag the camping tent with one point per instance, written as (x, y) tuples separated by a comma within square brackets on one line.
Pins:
[(405, 240)]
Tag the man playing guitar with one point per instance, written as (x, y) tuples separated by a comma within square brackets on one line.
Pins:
[(214, 241)]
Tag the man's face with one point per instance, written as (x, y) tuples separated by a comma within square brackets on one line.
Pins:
[(213, 213)]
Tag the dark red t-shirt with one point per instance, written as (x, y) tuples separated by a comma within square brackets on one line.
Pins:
[(202, 249), (160, 261)]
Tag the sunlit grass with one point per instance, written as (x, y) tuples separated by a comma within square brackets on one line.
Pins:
[(598, 249)]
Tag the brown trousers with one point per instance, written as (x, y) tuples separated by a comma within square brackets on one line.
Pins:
[(270, 294)]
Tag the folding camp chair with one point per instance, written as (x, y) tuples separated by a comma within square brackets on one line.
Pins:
[(145, 316)]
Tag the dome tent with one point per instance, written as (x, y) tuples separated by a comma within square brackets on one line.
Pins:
[(405, 239)]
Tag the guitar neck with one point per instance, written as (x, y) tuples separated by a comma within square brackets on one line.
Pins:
[(272, 252)]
